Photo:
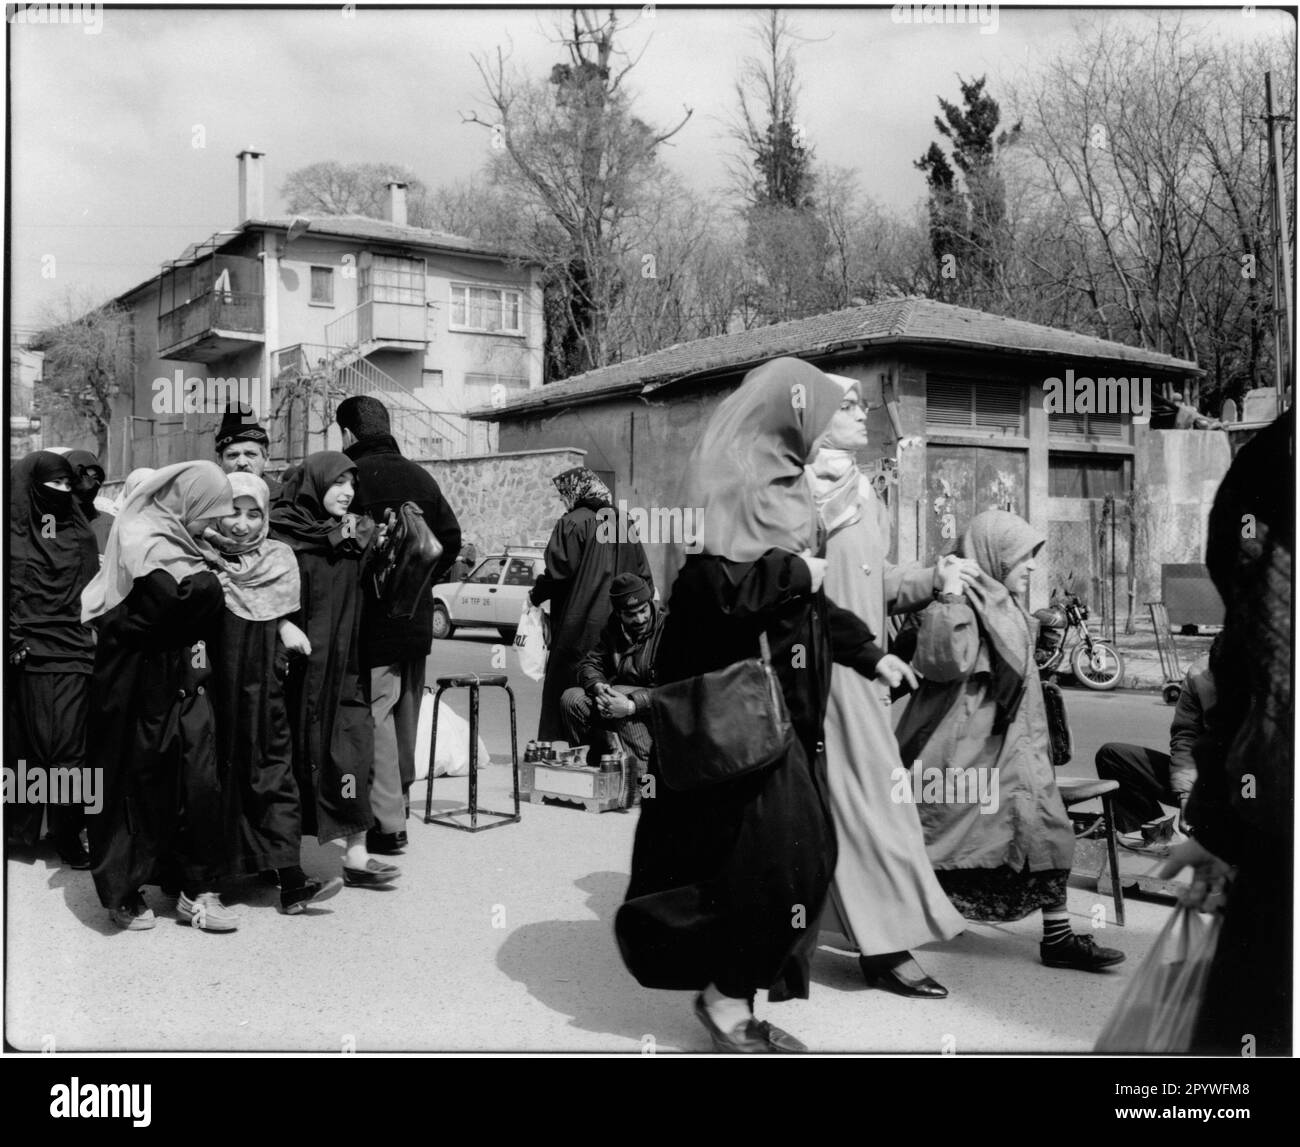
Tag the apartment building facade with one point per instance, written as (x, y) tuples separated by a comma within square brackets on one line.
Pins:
[(294, 314)]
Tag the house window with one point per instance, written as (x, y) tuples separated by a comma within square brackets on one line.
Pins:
[(1086, 425), (974, 404), (392, 279), (322, 286), (1087, 476), (492, 310)]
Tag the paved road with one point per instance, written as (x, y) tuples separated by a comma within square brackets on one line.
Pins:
[(502, 941)]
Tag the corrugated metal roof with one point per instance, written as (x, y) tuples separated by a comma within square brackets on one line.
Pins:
[(924, 322)]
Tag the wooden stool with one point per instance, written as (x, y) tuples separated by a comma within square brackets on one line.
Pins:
[(471, 681), (1076, 790)]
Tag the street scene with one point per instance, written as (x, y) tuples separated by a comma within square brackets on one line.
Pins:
[(650, 530)]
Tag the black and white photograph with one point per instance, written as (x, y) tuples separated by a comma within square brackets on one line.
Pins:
[(651, 531)]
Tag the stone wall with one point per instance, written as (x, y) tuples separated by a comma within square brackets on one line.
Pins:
[(504, 499)]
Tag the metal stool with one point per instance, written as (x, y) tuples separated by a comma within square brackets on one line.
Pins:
[(1076, 790), (471, 681)]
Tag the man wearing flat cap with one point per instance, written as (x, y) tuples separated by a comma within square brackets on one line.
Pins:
[(243, 446), (614, 679)]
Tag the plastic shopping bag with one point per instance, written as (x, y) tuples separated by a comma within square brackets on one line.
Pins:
[(1158, 1010), (453, 742), (531, 641)]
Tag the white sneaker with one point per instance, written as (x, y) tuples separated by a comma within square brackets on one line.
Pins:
[(207, 913)]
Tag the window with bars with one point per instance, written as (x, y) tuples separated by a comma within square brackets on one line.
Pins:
[(1087, 476), (492, 310), (392, 279), (1086, 425), (974, 404), (322, 285)]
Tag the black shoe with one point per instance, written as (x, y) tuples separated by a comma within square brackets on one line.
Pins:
[(72, 852), (294, 900), (753, 1037), (384, 843), (1079, 952), (893, 980), (269, 877)]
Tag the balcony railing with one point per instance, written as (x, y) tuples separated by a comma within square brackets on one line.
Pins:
[(211, 311)]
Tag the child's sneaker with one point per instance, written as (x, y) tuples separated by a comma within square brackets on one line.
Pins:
[(206, 912)]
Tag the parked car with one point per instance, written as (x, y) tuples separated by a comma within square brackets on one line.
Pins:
[(493, 594)]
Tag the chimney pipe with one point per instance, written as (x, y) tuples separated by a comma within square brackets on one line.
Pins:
[(251, 204), (397, 203)]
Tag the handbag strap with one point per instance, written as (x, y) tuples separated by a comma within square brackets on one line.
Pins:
[(764, 649)]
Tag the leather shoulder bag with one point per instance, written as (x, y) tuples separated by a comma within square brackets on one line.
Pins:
[(721, 725), (404, 562)]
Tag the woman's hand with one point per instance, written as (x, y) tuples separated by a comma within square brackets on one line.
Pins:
[(295, 641), (219, 540), (1209, 874), (953, 574), (18, 655), (816, 569), (893, 671)]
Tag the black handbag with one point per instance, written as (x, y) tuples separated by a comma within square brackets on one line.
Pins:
[(1058, 724), (721, 725), (403, 564)]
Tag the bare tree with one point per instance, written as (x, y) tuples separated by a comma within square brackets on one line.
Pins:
[(573, 149), (333, 188), (88, 352)]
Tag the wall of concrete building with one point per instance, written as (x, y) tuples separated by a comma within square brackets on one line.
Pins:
[(504, 499)]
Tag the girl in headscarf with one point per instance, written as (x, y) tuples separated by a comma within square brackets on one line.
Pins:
[(728, 882), (582, 558), (885, 897), (262, 590), (52, 558), (333, 733), (1001, 841), (90, 477), (155, 602)]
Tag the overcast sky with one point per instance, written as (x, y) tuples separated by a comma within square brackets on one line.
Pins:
[(106, 177)]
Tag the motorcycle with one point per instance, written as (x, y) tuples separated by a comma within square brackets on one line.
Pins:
[(1095, 663)]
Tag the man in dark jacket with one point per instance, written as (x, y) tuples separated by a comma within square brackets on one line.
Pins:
[(1149, 779), (615, 678), (393, 651)]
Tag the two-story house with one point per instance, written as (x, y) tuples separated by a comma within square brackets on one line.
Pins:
[(294, 314)]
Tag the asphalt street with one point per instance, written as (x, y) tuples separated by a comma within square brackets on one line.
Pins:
[(502, 940)]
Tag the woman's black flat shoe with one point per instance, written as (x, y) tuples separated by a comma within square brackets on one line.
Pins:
[(892, 980), (374, 874), (753, 1037)]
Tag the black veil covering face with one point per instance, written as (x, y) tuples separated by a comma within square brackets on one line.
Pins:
[(52, 551)]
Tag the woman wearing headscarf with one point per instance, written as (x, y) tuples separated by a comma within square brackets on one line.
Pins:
[(585, 553), (1000, 840), (250, 659), (885, 897), (155, 603), (329, 718), (90, 477), (728, 882), (52, 558)]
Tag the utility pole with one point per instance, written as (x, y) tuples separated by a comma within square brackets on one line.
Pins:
[(1283, 300)]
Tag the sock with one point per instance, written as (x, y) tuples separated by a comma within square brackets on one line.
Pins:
[(726, 1011), (292, 877), (1056, 926)]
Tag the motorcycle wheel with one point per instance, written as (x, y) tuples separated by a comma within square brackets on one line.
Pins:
[(1103, 671)]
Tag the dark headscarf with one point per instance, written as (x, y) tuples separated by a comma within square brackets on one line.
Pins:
[(89, 478), (999, 541), (747, 472), (299, 517), (53, 555), (581, 487)]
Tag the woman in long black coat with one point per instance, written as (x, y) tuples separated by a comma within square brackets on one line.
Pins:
[(155, 602), (588, 548), (728, 882), (333, 732), (52, 559)]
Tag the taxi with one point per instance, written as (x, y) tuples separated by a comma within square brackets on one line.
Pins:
[(494, 593)]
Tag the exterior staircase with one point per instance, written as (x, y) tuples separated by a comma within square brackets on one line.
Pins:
[(311, 379)]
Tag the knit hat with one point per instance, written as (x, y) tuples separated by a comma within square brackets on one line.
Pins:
[(628, 590), (239, 424)]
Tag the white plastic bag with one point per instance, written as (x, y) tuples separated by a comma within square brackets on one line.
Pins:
[(453, 742), (531, 642)]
